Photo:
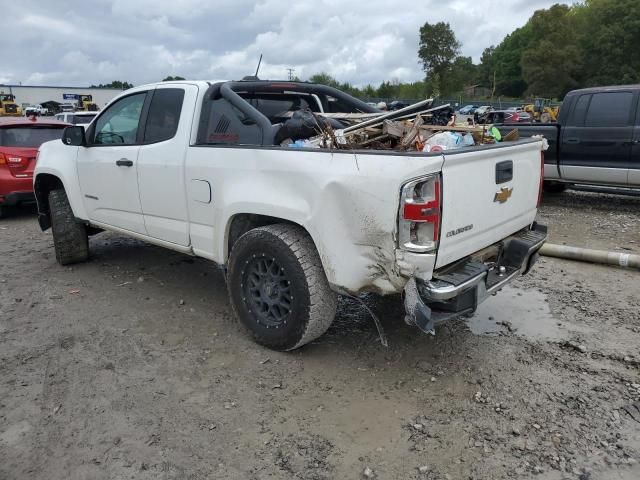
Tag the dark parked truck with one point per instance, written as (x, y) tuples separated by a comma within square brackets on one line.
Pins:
[(596, 140)]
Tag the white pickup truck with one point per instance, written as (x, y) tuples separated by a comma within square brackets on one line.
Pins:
[(198, 167)]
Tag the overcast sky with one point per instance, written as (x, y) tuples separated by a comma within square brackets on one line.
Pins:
[(69, 42)]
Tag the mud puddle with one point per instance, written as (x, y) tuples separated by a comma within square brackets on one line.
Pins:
[(523, 312)]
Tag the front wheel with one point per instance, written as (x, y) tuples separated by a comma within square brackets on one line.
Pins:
[(278, 288), (70, 238)]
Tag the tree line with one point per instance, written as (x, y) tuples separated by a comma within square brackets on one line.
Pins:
[(561, 48)]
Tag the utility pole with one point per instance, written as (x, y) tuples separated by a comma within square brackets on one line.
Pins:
[(291, 70)]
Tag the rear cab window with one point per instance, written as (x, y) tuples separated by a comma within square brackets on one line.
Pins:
[(83, 119), (279, 107), (227, 125), (29, 136)]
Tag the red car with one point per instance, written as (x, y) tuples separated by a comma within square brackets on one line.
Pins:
[(20, 139)]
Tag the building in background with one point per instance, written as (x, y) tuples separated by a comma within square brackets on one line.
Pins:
[(27, 95)]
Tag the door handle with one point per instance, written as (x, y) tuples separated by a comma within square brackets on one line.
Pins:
[(572, 141), (124, 162)]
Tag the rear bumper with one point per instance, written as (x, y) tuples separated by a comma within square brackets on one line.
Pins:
[(458, 289), (16, 198)]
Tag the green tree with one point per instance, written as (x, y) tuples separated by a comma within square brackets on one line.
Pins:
[(386, 90), (552, 62), (609, 42), (505, 64), (170, 78), (461, 73), (324, 79), (115, 84), (437, 51)]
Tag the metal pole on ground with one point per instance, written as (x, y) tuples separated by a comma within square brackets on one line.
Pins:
[(627, 260)]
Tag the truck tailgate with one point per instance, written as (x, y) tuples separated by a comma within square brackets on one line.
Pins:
[(487, 195)]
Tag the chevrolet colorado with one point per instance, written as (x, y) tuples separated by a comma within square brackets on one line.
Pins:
[(197, 167)]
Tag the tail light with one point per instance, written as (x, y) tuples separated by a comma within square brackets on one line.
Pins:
[(15, 161), (3, 159), (419, 219), (540, 189)]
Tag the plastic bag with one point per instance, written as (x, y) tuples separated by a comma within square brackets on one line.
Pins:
[(444, 140)]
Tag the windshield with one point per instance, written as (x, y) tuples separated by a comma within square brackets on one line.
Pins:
[(29, 136), (82, 119)]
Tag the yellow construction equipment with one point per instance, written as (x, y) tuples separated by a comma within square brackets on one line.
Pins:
[(85, 104), (542, 110), (8, 105)]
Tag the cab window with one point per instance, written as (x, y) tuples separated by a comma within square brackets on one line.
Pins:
[(118, 125), (227, 125), (164, 115)]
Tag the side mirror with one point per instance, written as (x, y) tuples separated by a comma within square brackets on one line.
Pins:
[(74, 136)]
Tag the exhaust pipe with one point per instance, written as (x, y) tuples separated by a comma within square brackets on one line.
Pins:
[(626, 260)]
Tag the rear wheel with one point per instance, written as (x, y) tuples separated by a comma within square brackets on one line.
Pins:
[(70, 237), (278, 287), (545, 118)]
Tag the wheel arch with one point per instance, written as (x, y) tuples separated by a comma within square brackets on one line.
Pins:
[(240, 223), (42, 186)]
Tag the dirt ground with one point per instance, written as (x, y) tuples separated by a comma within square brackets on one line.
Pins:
[(133, 366)]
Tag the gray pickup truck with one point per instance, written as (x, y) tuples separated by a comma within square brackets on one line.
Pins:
[(596, 140)]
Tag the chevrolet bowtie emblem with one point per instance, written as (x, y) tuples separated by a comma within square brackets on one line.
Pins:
[(503, 195)]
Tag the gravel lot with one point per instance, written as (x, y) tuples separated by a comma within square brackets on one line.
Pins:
[(132, 366)]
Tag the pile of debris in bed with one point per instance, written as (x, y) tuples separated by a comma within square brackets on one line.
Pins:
[(416, 128)]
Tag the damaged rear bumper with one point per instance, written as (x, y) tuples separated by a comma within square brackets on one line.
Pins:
[(458, 289)]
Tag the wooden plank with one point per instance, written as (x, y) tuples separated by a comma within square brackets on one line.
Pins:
[(511, 136), (453, 129), (394, 129), (371, 140), (411, 135)]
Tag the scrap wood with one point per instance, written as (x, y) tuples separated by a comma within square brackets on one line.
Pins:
[(453, 128), (394, 128), (513, 135), (370, 141), (413, 132)]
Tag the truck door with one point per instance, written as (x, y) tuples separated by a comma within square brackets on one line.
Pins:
[(161, 173), (596, 141), (108, 165), (634, 163)]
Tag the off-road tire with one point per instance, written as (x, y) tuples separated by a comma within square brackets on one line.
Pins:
[(70, 237), (291, 251)]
